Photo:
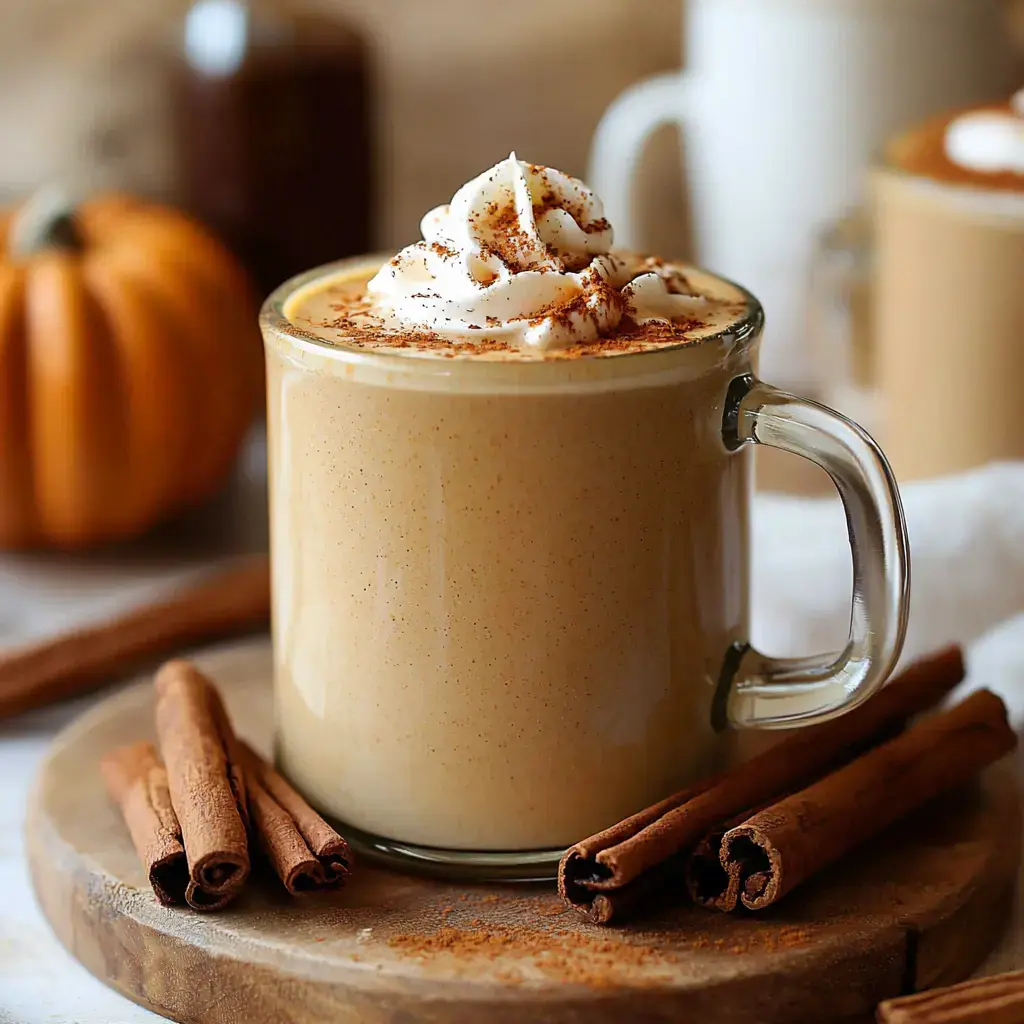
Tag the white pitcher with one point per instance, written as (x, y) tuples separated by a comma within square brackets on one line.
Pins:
[(783, 102)]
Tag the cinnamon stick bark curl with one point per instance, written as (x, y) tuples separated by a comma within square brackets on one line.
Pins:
[(137, 783), (994, 1000), (774, 851), (205, 780), (307, 854), (612, 863)]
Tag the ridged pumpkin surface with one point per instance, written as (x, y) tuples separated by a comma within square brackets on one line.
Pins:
[(130, 370)]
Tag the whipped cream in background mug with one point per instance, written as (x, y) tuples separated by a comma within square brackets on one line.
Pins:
[(989, 141), (510, 485)]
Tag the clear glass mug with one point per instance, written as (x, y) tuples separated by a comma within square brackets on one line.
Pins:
[(511, 598), (839, 321)]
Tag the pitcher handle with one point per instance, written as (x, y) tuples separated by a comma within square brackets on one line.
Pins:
[(619, 144), (772, 693)]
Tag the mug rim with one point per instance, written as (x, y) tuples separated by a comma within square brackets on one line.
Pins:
[(738, 336)]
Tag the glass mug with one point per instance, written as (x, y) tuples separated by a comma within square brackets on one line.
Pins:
[(839, 318), (511, 598)]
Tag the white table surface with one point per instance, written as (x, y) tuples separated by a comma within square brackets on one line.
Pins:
[(39, 982)]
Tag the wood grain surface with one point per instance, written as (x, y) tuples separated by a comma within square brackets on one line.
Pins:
[(921, 908)]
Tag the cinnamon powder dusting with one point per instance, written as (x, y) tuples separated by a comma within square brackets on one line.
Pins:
[(527, 938), (559, 954)]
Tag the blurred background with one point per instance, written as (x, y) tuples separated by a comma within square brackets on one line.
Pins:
[(743, 134), (87, 91), (253, 113)]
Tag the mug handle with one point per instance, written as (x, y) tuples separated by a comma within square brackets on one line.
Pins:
[(759, 692), (619, 142)]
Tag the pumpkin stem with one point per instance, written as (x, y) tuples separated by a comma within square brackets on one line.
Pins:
[(46, 221)]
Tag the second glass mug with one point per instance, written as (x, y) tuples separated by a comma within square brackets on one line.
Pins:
[(511, 598)]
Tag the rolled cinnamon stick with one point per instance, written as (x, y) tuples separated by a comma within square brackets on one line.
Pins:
[(709, 883), (995, 1000), (137, 783), (288, 854), (235, 600), (206, 782), (664, 884), (307, 854), (234, 749), (610, 861), (782, 846)]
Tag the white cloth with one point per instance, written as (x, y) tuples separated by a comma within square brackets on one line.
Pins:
[(967, 574), (967, 544)]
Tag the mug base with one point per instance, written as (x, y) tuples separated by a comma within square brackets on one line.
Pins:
[(453, 865)]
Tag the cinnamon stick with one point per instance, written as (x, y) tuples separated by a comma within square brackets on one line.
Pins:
[(288, 854), (233, 601), (709, 883), (307, 854), (774, 851), (206, 782), (664, 884), (609, 862), (137, 783), (995, 1000)]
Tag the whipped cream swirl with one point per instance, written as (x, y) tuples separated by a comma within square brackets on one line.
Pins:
[(989, 141), (523, 253)]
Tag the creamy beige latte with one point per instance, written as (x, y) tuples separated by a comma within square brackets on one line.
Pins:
[(509, 543), (949, 291)]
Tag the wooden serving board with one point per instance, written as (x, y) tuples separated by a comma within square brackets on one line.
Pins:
[(921, 908)]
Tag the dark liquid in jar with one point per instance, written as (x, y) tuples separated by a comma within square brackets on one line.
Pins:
[(273, 133)]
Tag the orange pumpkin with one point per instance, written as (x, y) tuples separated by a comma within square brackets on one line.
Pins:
[(130, 368)]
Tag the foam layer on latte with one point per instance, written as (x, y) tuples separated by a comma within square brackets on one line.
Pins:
[(524, 253), (980, 146)]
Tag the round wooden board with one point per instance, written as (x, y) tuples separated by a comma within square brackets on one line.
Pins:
[(921, 907)]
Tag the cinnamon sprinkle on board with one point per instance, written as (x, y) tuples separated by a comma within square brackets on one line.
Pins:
[(524, 937)]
